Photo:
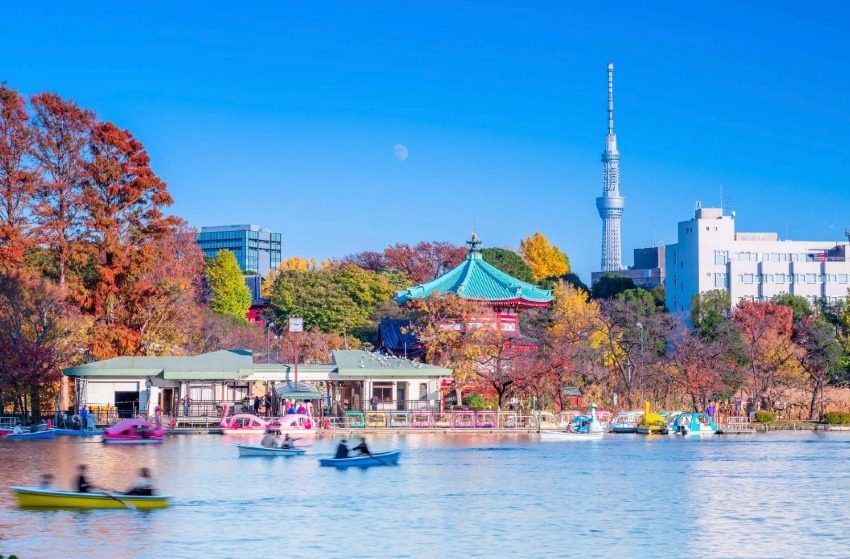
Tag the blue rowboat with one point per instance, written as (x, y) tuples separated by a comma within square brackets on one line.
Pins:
[(27, 436), (364, 461), (77, 432)]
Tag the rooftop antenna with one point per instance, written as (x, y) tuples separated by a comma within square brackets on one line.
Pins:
[(847, 234)]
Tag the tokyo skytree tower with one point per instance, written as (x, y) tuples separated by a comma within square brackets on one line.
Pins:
[(611, 204)]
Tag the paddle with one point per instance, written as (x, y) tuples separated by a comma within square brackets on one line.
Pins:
[(127, 504)]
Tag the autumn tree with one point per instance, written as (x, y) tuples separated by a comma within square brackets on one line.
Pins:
[(545, 260), (36, 338), (17, 179), (61, 132), (230, 296), (766, 330), (702, 368), (572, 352), (425, 260)]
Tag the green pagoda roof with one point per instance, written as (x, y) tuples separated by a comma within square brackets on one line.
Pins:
[(476, 280)]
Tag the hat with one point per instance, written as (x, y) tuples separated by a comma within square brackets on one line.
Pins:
[(343, 441)]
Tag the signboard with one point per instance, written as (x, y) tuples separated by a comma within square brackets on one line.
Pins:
[(296, 324)]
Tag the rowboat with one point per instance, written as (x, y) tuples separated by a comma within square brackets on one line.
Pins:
[(251, 450), (26, 435), (363, 461), (53, 498), (553, 435), (77, 432)]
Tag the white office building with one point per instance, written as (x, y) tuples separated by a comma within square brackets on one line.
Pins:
[(710, 255)]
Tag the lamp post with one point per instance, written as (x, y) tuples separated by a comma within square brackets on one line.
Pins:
[(639, 325), (296, 325)]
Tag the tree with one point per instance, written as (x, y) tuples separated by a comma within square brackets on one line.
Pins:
[(17, 179), (611, 285), (545, 260), (699, 367), (509, 262), (36, 337), (368, 260), (230, 296), (424, 261), (61, 131), (123, 207), (797, 303), (766, 330), (708, 311), (337, 298), (574, 341), (818, 353)]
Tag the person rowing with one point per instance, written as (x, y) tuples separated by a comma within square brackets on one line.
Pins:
[(362, 448), (288, 442), (142, 485)]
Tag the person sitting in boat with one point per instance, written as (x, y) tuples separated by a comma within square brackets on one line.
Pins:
[(362, 448), (83, 485), (142, 485), (288, 442), (342, 449), (269, 441), (142, 430), (292, 409)]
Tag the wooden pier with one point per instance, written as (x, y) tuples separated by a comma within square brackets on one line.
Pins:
[(736, 426)]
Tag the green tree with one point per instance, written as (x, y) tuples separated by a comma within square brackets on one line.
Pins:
[(230, 295), (338, 298), (610, 285), (708, 311), (798, 304), (509, 262)]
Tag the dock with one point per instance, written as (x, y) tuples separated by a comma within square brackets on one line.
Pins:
[(736, 426)]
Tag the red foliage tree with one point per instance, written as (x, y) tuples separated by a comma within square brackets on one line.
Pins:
[(60, 135), (16, 179), (424, 261)]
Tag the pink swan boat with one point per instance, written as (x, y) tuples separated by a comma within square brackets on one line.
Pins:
[(135, 431), (241, 423), (292, 423)]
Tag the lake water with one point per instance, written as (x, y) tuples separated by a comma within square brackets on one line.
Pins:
[(466, 495)]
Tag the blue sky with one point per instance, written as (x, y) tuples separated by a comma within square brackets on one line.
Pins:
[(285, 114)]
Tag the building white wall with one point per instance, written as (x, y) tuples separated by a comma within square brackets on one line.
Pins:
[(710, 255)]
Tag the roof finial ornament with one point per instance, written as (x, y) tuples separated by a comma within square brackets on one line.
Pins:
[(474, 242)]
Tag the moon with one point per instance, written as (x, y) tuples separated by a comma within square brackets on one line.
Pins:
[(400, 152)]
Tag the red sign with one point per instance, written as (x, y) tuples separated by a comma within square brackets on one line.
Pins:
[(821, 256), (447, 382)]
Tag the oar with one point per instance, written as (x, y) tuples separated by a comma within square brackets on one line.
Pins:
[(127, 504), (378, 458)]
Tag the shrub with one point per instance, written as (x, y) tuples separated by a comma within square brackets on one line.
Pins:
[(765, 416), (836, 417), (476, 402)]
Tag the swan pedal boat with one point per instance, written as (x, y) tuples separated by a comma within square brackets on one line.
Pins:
[(32, 497), (363, 461), (257, 450), (134, 431)]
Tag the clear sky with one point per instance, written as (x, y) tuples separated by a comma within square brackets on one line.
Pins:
[(285, 114)]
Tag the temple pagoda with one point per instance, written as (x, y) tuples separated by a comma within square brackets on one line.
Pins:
[(476, 280)]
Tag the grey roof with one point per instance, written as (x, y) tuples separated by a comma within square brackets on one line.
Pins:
[(224, 364), (366, 363)]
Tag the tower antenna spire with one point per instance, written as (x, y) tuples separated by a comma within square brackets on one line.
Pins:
[(610, 98)]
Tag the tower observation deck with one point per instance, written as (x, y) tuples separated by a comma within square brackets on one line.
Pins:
[(611, 204)]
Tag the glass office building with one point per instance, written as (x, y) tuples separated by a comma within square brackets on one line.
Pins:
[(257, 250)]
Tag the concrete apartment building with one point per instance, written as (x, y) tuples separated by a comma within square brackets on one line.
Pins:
[(710, 255)]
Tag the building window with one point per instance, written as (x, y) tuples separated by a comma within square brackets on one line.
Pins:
[(720, 281), (768, 278), (383, 391), (811, 278), (720, 257), (842, 278), (423, 390), (748, 278)]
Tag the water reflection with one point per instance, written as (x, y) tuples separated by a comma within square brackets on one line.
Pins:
[(772, 495)]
